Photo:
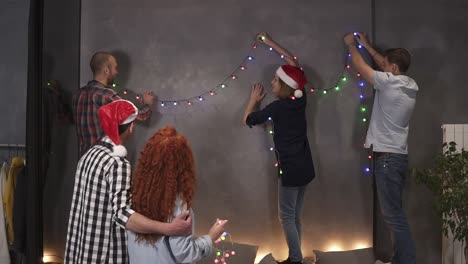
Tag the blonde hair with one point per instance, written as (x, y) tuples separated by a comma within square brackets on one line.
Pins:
[(285, 90)]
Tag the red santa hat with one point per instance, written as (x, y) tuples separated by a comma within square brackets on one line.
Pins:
[(293, 77), (112, 115)]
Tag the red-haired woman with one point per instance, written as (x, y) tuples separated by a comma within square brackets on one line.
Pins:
[(163, 187)]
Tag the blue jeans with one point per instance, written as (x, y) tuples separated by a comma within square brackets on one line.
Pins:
[(390, 174), (291, 203)]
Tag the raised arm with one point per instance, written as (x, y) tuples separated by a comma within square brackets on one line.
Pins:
[(377, 57), (288, 57), (356, 59)]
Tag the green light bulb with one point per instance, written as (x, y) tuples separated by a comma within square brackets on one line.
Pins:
[(344, 79), (325, 92), (364, 120), (363, 109), (337, 88)]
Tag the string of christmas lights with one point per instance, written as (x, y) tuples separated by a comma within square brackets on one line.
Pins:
[(249, 58), (234, 75), (221, 255)]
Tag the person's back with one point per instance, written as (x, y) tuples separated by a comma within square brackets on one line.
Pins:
[(97, 93), (163, 187), (96, 230), (394, 102), (86, 103)]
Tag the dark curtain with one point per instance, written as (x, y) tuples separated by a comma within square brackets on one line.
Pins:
[(34, 137)]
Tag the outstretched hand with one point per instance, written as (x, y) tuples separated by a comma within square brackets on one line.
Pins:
[(264, 37), (362, 39), (217, 229), (258, 93), (349, 39), (148, 98)]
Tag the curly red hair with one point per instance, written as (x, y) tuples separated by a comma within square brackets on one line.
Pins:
[(165, 169)]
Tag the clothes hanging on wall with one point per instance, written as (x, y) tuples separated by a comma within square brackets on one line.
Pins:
[(19, 214), (17, 165), (4, 252)]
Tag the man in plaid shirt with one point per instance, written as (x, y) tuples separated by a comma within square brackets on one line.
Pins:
[(101, 206), (96, 94)]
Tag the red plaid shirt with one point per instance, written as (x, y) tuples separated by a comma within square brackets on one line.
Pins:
[(85, 109)]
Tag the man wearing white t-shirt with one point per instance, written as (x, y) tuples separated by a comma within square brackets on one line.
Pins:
[(394, 101)]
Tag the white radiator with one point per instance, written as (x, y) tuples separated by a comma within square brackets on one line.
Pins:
[(452, 252)]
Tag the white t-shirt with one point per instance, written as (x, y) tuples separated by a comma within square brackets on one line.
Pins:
[(394, 102)]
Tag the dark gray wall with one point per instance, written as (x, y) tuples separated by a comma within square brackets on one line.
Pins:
[(436, 33), (13, 70), (184, 48), (159, 52), (61, 63)]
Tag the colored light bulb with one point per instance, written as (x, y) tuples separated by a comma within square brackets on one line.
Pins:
[(367, 170), (361, 84), (344, 79), (271, 149), (312, 90), (189, 103), (125, 91), (348, 66), (337, 88), (324, 91), (233, 253), (281, 171), (162, 104), (175, 103), (243, 68), (212, 93), (218, 253), (295, 58), (370, 157), (250, 58), (363, 109), (223, 85), (360, 46), (282, 56), (200, 98), (113, 85), (137, 97), (234, 77), (355, 34), (364, 120), (269, 118), (271, 131), (361, 96), (271, 49)]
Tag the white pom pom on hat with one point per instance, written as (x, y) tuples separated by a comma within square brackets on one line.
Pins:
[(112, 115), (294, 77)]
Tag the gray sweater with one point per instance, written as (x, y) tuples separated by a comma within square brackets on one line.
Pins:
[(170, 250)]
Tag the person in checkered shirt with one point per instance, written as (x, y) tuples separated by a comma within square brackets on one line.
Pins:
[(97, 93), (101, 210)]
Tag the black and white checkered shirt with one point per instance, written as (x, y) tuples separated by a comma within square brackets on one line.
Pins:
[(100, 208)]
